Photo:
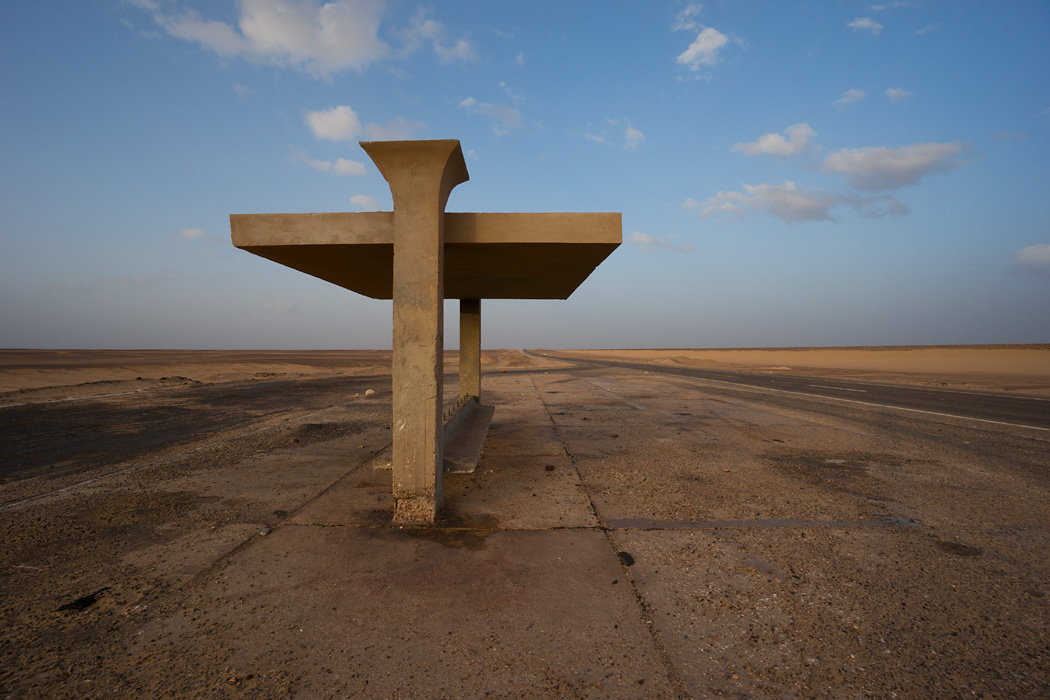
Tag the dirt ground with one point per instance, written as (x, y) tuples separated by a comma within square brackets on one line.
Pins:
[(212, 525)]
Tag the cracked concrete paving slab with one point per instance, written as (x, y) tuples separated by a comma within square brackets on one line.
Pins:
[(802, 555), (834, 612), (418, 612)]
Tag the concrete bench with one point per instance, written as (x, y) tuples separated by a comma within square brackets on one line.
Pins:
[(466, 426), (465, 435)]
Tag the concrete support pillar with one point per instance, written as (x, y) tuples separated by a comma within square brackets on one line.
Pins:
[(470, 349), (421, 175)]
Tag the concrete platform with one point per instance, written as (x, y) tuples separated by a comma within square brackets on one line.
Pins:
[(624, 536)]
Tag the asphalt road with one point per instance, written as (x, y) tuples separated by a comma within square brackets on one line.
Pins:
[(1003, 409)]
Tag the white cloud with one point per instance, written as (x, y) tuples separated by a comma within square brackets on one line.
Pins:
[(686, 19), (610, 133), (881, 168), (216, 36), (507, 117), (319, 38), (793, 203), (341, 166), (335, 124), (516, 96), (787, 201), (1009, 136), (895, 4), (423, 28), (897, 94), (460, 51), (691, 204), (633, 136), (865, 24), (520, 58), (189, 234), (342, 124), (704, 49), (365, 202), (647, 242), (1035, 259), (928, 28), (849, 97), (242, 90), (399, 129), (798, 141)]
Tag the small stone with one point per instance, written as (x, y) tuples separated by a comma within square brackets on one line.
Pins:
[(266, 530), (369, 392)]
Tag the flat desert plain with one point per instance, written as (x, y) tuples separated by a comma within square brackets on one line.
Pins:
[(797, 523), (1018, 368), (48, 373)]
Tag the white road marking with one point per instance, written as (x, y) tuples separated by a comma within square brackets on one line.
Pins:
[(868, 403), (839, 388), (877, 385), (862, 403)]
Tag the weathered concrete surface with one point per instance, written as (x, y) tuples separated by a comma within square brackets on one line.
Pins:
[(421, 175), (487, 255), (791, 548), (465, 436)]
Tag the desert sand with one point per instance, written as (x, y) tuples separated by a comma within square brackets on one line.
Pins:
[(50, 374), (1015, 368), (32, 376)]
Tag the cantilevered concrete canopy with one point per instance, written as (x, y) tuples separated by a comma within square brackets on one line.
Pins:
[(418, 255), (487, 256)]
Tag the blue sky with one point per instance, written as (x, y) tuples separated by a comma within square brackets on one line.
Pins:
[(789, 173)]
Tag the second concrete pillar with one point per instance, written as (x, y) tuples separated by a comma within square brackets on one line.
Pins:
[(470, 349)]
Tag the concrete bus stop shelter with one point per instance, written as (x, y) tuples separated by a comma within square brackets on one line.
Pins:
[(418, 256)]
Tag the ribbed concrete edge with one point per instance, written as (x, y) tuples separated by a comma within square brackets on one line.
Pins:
[(465, 432), (465, 436)]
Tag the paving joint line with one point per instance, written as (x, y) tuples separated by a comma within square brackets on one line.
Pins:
[(223, 558), (644, 608)]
